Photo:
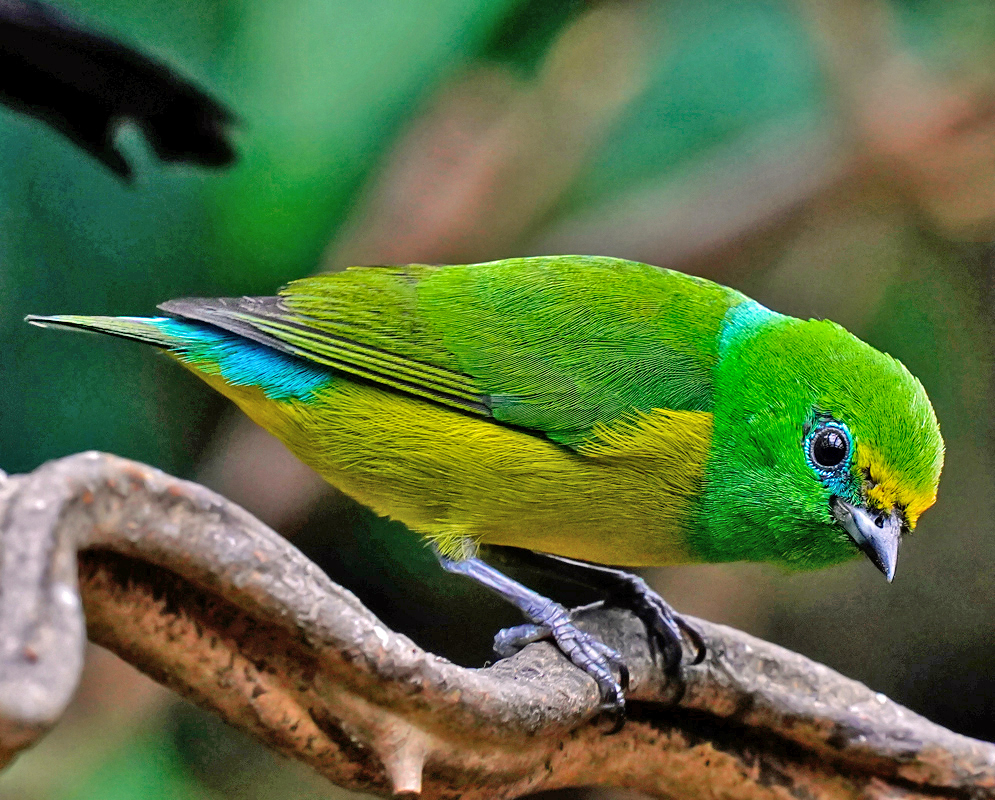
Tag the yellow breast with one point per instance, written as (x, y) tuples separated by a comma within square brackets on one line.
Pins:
[(622, 498)]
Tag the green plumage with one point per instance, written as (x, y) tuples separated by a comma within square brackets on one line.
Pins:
[(550, 344), (590, 407)]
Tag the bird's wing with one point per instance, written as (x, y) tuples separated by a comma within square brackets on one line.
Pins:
[(555, 345)]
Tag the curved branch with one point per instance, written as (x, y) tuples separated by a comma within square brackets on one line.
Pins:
[(203, 597)]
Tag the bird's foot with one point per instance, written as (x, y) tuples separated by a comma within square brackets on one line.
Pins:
[(550, 620), (589, 653), (667, 628)]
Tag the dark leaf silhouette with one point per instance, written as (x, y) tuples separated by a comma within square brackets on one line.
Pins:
[(83, 84)]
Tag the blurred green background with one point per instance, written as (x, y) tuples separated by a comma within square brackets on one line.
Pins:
[(829, 158)]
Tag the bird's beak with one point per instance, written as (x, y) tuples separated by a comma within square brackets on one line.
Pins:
[(877, 535)]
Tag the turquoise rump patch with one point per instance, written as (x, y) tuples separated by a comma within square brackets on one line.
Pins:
[(243, 362)]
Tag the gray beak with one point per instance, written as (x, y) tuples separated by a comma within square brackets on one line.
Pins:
[(877, 535)]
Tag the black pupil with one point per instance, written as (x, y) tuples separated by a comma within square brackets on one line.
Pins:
[(829, 448)]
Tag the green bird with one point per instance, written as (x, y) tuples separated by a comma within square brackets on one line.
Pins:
[(592, 410)]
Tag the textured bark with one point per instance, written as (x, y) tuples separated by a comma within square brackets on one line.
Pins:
[(204, 598)]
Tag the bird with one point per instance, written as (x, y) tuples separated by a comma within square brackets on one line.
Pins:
[(83, 83), (598, 414)]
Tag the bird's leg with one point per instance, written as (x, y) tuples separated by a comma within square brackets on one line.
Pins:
[(549, 620), (667, 628)]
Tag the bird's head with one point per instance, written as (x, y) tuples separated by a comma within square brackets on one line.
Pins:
[(824, 446)]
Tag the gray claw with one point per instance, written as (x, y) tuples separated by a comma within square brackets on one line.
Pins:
[(509, 641), (590, 654)]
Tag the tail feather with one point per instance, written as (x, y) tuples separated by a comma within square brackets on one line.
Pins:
[(158, 331), (209, 351)]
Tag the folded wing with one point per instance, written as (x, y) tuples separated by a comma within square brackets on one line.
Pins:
[(554, 345)]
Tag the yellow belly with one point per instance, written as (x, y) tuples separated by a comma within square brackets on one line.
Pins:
[(624, 498)]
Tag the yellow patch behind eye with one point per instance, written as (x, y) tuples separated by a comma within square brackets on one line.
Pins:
[(885, 489)]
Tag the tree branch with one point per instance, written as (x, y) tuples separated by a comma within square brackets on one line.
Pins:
[(204, 598)]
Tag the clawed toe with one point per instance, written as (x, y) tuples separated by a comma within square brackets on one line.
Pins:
[(666, 627), (599, 661), (592, 655), (509, 641), (692, 633)]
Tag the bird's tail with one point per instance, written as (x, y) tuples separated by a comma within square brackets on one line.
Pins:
[(161, 332), (210, 353)]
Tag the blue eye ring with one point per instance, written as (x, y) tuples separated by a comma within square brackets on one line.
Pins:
[(829, 447)]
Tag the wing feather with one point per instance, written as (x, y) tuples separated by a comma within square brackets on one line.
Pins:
[(266, 320), (558, 345)]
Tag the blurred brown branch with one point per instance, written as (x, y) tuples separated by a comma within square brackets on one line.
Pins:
[(922, 133), (200, 595)]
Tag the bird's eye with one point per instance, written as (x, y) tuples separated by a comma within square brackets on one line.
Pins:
[(829, 447)]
